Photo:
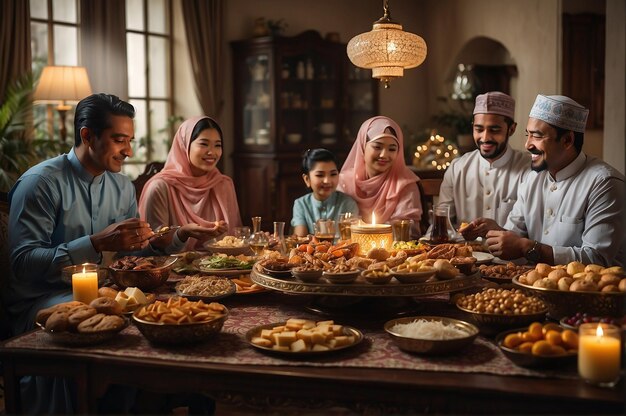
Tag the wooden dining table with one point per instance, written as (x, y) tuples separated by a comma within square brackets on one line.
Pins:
[(373, 377)]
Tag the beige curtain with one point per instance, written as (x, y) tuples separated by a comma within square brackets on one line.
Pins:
[(15, 54), (203, 27), (103, 45)]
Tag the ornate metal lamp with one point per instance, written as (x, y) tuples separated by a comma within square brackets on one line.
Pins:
[(387, 50)]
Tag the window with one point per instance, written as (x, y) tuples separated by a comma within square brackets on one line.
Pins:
[(54, 27), (148, 43)]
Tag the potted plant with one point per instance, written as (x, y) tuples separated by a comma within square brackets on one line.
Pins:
[(22, 145)]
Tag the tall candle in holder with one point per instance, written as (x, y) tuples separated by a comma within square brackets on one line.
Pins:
[(85, 285), (599, 354), (370, 236)]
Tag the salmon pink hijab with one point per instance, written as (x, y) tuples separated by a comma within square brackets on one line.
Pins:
[(382, 193), (194, 199)]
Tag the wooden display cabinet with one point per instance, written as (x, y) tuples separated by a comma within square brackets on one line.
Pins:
[(291, 94)]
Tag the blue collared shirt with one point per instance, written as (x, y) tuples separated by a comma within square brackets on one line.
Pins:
[(307, 210), (55, 207)]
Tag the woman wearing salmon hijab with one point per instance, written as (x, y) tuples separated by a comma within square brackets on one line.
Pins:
[(375, 175), (190, 191)]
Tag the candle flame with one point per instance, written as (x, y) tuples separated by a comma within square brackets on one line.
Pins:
[(599, 331), (373, 218), (84, 270)]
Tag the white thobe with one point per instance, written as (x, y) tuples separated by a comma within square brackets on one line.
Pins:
[(473, 187), (580, 212)]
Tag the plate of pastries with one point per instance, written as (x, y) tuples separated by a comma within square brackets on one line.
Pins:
[(76, 323)]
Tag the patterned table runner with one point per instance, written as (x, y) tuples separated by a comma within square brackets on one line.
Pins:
[(246, 312)]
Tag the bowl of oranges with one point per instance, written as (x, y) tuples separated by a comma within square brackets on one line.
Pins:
[(540, 345)]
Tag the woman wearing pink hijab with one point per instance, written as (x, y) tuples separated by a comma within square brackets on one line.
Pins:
[(375, 175), (190, 191)]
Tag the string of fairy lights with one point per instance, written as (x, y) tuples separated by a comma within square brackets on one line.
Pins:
[(435, 153)]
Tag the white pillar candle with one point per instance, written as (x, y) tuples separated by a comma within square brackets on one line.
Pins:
[(599, 353)]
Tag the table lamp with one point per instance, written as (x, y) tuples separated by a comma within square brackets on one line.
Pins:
[(62, 84)]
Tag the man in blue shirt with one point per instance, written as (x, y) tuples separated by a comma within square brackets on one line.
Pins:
[(68, 210)]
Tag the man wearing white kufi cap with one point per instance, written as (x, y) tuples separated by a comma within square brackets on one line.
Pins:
[(571, 208), (483, 183)]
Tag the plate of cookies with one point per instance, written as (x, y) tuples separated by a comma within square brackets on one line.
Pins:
[(78, 324)]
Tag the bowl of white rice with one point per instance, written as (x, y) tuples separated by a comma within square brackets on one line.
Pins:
[(431, 334)]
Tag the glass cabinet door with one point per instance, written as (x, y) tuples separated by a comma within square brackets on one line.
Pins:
[(361, 103), (256, 111)]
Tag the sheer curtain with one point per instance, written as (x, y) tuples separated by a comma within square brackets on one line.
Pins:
[(103, 45), (203, 27), (15, 54)]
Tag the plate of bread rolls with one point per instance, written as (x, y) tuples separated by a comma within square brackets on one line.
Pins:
[(78, 324)]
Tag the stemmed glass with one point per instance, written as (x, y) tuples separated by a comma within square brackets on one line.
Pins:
[(258, 239)]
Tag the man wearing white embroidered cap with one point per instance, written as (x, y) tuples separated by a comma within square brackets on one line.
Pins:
[(571, 208), (483, 183)]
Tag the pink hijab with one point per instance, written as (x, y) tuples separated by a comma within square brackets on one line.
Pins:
[(195, 199), (381, 193)]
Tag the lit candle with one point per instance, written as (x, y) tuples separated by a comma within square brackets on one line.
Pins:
[(599, 353), (370, 236), (85, 286)]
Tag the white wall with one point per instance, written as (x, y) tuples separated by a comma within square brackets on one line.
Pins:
[(529, 29)]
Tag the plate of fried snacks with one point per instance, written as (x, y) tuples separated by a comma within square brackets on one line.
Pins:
[(246, 286), (76, 323), (180, 320), (206, 288), (297, 336)]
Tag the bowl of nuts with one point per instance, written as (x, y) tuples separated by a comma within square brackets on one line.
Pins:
[(205, 288), (495, 310), (341, 273), (307, 273), (180, 321), (378, 276), (414, 271)]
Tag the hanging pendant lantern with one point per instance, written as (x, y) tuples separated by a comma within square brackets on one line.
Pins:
[(387, 50)]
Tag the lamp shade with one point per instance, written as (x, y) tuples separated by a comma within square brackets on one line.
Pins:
[(387, 49), (62, 83)]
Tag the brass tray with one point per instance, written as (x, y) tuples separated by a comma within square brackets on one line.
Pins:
[(362, 288)]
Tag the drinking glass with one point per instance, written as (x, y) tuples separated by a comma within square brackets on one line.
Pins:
[(440, 220), (402, 229), (243, 233), (345, 221), (325, 230)]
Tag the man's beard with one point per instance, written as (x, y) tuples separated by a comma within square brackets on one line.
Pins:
[(499, 149)]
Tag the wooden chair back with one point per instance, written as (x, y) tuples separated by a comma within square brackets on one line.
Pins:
[(151, 169), (429, 189)]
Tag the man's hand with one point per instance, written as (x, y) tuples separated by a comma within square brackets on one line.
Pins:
[(129, 235), (478, 228), (506, 244)]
